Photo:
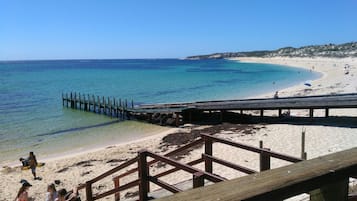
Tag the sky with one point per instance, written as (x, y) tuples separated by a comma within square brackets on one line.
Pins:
[(120, 29)]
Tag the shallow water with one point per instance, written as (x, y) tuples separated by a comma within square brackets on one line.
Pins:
[(32, 117)]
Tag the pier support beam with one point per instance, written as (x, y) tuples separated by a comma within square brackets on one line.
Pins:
[(326, 112), (311, 113)]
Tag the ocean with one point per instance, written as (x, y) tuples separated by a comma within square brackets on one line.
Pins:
[(32, 117)]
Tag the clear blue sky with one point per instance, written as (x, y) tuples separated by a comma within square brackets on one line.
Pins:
[(95, 29)]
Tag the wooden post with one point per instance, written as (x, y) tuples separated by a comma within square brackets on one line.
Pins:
[(75, 100), (177, 119), (264, 159), (208, 151), (198, 179), (326, 112), (303, 153), (98, 102), (114, 107), (89, 194), (104, 108), (261, 112), (109, 107), (71, 100), (67, 99), (190, 116), (311, 113), (279, 113), (80, 101), (117, 185), (93, 99), (331, 192), (241, 111), (143, 176)]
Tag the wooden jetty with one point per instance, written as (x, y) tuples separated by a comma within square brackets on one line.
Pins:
[(324, 178), (180, 113), (103, 105)]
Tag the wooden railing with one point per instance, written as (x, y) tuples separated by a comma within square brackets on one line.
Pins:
[(198, 175), (325, 178), (265, 155)]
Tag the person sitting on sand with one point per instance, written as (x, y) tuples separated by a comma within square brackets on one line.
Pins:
[(51, 194), (22, 195), (33, 164), (63, 195), (25, 162)]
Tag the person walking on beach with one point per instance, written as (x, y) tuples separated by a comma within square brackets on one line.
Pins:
[(276, 95), (51, 194), (22, 195), (33, 164)]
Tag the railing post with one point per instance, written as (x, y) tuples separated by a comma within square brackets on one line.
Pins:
[(311, 113), (198, 179), (326, 112), (89, 194), (116, 185), (208, 151), (303, 153), (331, 192), (264, 159), (143, 176)]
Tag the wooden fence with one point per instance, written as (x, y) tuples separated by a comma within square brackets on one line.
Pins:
[(324, 178), (198, 175)]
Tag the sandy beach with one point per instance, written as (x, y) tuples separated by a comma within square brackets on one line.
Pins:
[(72, 170)]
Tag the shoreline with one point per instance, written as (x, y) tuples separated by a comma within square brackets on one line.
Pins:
[(69, 169), (331, 69)]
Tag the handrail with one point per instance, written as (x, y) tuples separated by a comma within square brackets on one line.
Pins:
[(229, 164), (194, 143), (194, 162), (164, 185), (253, 149), (118, 168), (208, 176), (328, 173), (121, 188)]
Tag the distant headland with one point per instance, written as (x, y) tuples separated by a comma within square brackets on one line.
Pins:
[(327, 50)]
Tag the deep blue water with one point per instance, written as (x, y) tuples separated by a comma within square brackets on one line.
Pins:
[(31, 112)]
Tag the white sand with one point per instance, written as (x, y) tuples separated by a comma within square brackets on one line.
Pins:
[(320, 140)]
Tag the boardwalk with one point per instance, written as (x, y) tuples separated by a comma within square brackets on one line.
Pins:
[(183, 112)]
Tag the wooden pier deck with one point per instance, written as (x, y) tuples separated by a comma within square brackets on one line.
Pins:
[(184, 112)]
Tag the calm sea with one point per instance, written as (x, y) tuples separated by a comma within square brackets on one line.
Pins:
[(32, 117)]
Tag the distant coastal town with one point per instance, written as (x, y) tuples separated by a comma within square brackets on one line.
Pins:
[(327, 50)]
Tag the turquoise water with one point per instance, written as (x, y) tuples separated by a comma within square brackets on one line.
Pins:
[(32, 117)]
